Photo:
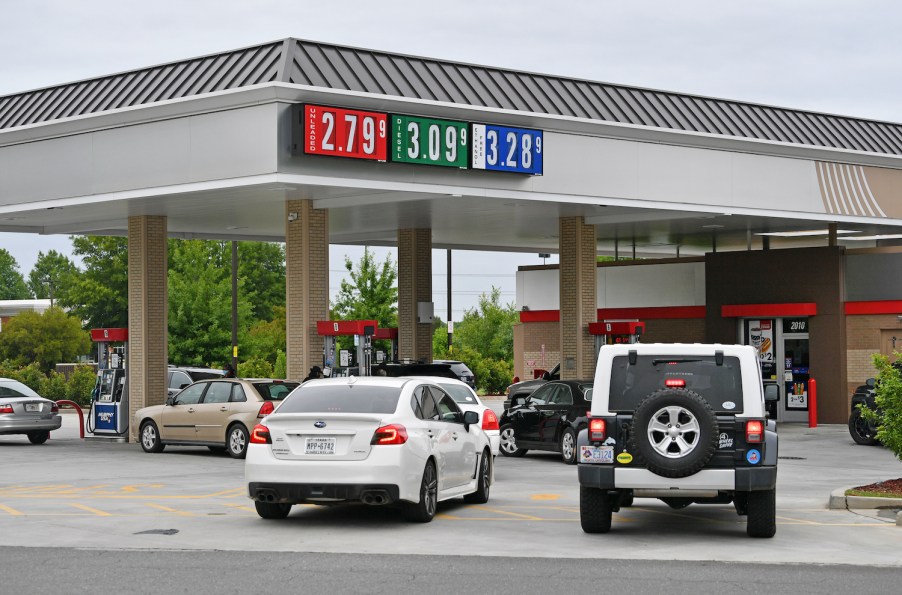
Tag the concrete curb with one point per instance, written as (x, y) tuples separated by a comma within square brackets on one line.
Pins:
[(839, 501)]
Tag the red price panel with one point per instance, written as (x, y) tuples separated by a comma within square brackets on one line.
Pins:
[(345, 133)]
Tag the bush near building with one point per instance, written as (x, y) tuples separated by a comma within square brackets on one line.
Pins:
[(889, 404)]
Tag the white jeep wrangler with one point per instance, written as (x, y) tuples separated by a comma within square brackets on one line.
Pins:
[(683, 423)]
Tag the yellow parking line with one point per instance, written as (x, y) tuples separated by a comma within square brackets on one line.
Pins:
[(11, 511), (167, 509), (545, 496), (528, 517), (91, 510)]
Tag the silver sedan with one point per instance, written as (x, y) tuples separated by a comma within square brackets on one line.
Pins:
[(23, 411)]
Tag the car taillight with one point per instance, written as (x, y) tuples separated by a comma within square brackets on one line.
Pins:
[(489, 420), (54, 408), (754, 431), (260, 435), (265, 409), (390, 434), (597, 429), (675, 383), (6, 408)]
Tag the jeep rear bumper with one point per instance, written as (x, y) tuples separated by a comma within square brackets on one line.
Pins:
[(742, 479)]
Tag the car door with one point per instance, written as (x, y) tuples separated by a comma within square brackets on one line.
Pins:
[(554, 412), (527, 419), (438, 434), (461, 448), (212, 413), (178, 419)]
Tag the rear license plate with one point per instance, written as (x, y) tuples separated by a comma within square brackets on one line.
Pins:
[(32, 407), (596, 454), (320, 446)]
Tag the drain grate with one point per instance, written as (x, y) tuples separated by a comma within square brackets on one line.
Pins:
[(158, 532), (793, 458)]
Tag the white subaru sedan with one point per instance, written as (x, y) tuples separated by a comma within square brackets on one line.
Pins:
[(467, 400), (374, 440)]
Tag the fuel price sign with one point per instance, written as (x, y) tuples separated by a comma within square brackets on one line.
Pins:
[(501, 148), (429, 141), (345, 133)]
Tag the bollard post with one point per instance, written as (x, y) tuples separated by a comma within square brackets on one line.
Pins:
[(81, 415), (812, 403)]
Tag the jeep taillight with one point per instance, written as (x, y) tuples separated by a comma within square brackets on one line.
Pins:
[(597, 429), (754, 431)]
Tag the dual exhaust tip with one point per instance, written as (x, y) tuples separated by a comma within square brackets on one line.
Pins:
[(372, 497)]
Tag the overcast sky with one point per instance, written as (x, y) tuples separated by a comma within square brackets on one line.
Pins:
[(836, 56)]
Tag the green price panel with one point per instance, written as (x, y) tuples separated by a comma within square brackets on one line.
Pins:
[(429, 142)]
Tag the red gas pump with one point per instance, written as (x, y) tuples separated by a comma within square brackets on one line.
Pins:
[(613, 332), (363, 330)]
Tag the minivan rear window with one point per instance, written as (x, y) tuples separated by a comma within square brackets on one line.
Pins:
[(342, 398), (720, 385)]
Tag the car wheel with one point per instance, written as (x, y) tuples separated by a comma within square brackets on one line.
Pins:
[(38, 437), (150, 438), (424, 510), (568, 446), (509, 443), (595, 510), (860, 429), (236, 442), (674, 433), (481, 495), (762, 510), (272, 510), (677, 503)]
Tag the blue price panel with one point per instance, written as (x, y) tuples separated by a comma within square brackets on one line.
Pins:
[(501, 148)]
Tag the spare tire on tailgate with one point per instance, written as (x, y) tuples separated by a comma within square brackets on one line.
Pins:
[(674, 432)]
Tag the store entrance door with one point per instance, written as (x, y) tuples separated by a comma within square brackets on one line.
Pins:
[(782, 345)]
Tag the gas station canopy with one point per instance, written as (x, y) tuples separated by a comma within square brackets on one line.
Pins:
[(217, 144)]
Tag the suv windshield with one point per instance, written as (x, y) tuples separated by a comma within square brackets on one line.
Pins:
[(720, 385)]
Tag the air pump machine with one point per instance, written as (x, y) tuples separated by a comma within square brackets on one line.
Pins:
[(109, 401)]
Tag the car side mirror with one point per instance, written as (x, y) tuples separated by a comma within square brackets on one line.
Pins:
[(170, 401), (470, 418), (771, 393), (871, 382)]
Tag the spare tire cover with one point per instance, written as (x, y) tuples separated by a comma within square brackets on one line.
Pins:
[(674, 432)]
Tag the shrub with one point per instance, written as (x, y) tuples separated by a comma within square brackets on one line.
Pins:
[(81, 384), (889, 404), (53, 387), (281, 369), (255, 367), (31, 376)]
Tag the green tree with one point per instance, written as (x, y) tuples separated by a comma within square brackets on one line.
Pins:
[(200, 303), (12, 284), (889, 404), (98, 295), (45, 339), (261, 265), (371, 294), (51, 274), (266, 339), (489, 328)]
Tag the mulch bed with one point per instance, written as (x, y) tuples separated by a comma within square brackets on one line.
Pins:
[(890, 487)]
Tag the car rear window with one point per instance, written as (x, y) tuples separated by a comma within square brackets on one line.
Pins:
[(275, 391), (14, 389), (459, 393), (198, 375), (342, 398), (720, 385)]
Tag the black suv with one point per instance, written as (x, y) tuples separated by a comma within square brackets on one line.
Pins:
[(681, 423)]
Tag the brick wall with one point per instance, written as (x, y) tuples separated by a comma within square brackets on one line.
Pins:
[(537, 345), (148, 313), (863, 339), (306, 284), (414, 285), (578, 297)]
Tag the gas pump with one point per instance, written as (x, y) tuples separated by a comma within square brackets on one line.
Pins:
[(388, 334), (362, 330), (109, 402), (614, 332)]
